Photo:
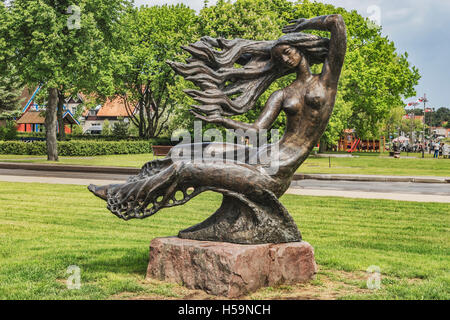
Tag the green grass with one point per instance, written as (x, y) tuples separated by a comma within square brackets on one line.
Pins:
[(46, 228), (375, 164), (363, 163)]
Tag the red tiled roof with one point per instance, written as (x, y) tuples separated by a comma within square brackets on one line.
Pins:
[(114, 108)]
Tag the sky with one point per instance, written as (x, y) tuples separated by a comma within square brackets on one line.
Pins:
[(419, 27)]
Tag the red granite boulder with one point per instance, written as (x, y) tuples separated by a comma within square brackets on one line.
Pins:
[(230, 270)]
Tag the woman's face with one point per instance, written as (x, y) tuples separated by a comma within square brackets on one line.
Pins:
[(288, 55)]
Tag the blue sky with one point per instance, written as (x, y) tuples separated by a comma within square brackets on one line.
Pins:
[(420, 27)]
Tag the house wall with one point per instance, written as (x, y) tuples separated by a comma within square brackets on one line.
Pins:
[(94, 122), (30, 127), (72, 107), (91, 123)]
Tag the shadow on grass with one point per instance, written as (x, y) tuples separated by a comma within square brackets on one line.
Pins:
[(122, 261)]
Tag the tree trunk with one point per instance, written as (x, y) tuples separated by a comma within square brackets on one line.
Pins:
[(50, 124), (323, 146), (59, 115), (141, 120)]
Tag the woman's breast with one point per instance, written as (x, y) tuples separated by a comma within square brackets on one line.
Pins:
[(315, 97), (292, 105)]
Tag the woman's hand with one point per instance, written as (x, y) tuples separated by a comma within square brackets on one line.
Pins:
[(213, 118), (296, 25)]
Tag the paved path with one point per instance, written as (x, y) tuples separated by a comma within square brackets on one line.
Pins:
[(403, 191), (60, 177), (348, 189), (371, 178), (298, 176)]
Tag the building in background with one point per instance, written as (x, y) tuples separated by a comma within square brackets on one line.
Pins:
[(113, 110), (33, 118)]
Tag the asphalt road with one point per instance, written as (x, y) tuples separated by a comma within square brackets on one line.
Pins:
[(378, 187), (421, 192)]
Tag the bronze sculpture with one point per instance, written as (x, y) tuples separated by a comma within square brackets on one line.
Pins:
[(232, 75)]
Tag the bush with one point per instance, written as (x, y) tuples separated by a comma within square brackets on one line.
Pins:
[(9, 132), (77, 130), (77, 148), (161, 141), (106, 130), (120, 129)]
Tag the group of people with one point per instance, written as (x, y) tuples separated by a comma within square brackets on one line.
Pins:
[(439, 149)]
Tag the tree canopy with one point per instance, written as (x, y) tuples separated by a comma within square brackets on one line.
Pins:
[(62, 46), (111, 48), (147, 37), (375, 77)]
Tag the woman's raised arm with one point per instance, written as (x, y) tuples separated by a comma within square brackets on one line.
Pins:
[(338, 42)]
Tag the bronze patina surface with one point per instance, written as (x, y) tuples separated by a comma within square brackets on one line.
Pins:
[(231, 76)]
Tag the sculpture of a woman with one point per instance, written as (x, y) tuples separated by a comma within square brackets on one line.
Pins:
[(232, 75)]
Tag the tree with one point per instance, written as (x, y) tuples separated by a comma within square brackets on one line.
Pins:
[(63, 46), (148, 36), (393, 121), (8, 132), (77, 130), (106, 128), (375, 78), (120, 129), (439, 117), (10, 85), (412, 127), (10, 93), (5, 50)]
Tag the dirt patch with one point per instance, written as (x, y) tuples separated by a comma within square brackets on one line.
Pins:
[(328, 285)]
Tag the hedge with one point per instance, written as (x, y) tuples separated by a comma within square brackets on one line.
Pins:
[(77, 148), (166, 141)]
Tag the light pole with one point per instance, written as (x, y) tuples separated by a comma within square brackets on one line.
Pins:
[(424, 122)]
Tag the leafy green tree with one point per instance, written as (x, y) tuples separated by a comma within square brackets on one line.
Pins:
[(106, 128), (439, 117), (411, 126), (393, 121), (77, 130), (375, 78), (249, 19), (120, 129), (63, 46), (9, 132), (10, 84), (5, 49), (10, 93), (147, 37)]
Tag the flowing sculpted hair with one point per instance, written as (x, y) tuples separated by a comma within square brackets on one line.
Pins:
[(232, 74)]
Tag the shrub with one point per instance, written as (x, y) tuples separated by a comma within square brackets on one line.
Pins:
[(120, 129), (77, 148), (77, 130), (106, 129), (9, 132)]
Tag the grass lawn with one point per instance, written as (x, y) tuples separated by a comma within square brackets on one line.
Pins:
[(363, 163), (375, 164), (46, 228)]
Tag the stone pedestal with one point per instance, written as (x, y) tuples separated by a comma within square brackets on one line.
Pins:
[(230, 270)]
